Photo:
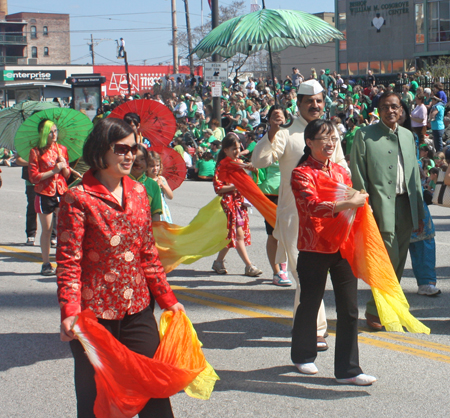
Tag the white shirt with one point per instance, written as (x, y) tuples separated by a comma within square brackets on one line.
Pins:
[(180, 110)]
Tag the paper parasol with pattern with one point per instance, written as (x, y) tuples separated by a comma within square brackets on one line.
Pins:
[(73, 130), (173, 166), (158, 124)]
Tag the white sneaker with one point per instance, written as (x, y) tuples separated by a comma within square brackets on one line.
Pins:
[(307, 368), (428, 290), (360, 380), (281, 279)]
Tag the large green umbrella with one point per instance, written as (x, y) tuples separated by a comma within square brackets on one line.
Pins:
[(12, 117), (73, 129), (268, 29)]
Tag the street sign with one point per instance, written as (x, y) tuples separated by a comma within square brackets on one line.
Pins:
[(216, 71), (216, 88)]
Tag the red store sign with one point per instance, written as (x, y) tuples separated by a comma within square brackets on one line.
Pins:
[(142, 77)]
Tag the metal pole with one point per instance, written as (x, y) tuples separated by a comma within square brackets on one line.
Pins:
[(174, 36), (271, 64), (126, 70), (92, 49), (215, 57), (188, 27)]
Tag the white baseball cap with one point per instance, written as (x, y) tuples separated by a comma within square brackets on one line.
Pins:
[(310, 88)]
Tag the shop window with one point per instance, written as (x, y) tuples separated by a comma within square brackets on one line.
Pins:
[(410, 65), (439, 21), (352, 68), (45, 51), (33, 32), (45, 31), (343, 69), (386, 67), (342, 26), (375, 67), (34, 52), (363, 67), (397, 66), (420, 37)]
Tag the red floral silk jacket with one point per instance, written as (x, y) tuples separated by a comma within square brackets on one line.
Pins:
[(107, 259), (40, 164), (232, 202), (304, 180)]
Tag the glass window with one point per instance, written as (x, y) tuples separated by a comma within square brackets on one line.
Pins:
[(33, 32), (438, 21), (410, 65), (375, 67), (352, 68), (45, 51), (386, 67), (444, 21), (342, 26), (363, 67), (420, 38), (343, 69), (397, 66), (33, 52), (45, 31)]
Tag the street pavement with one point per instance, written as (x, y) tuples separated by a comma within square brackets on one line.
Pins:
[(244, 324)]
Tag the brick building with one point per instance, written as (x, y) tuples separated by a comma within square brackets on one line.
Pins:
[(33, 38)]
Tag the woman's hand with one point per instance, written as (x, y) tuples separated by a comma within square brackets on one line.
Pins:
[(66, 325), (59, 166), (358, 199), (177, 307)]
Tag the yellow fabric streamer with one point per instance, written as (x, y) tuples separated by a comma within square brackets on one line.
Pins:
[(203, 384), (204, 236)]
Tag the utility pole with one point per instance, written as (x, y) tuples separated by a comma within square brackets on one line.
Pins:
[(127, 72), (188, 26), (92, 49), (215, 57), (174, 36)]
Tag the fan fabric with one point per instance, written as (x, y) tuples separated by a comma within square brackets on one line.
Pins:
[(173, 165), (126, 380)]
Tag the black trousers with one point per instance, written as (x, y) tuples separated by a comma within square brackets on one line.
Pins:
[(312, 271), (139, 333)]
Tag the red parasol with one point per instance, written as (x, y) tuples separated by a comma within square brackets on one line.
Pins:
[(158, 124), (174, 167)]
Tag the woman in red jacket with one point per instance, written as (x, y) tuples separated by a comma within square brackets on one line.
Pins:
[(319, 256), (107, 259), (48, 170)]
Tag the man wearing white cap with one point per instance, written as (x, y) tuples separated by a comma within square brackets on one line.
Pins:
[(286, 146)]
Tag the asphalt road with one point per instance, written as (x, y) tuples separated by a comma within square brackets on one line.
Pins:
[(244, 324)]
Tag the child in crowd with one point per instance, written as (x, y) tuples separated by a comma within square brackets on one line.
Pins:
[(138, 173), (235, 210), (154, 172), (433, 174), (205, 166)]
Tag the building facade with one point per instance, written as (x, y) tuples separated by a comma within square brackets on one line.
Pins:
[(389, 37), (34, 39)]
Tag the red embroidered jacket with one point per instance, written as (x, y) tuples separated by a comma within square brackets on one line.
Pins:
[(40, 164), (107, 259), (304, 182)]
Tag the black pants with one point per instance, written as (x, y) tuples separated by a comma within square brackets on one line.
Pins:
[(139, 333), (312, 271)]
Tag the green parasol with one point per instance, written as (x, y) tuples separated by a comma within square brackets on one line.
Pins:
[(266, 29), (73, 129), (12, 117)]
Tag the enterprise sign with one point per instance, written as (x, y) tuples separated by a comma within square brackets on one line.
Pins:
[(17, 75)]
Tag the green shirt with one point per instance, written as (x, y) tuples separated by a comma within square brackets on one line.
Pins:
[(206, 168), (153, 193), (268, 179)]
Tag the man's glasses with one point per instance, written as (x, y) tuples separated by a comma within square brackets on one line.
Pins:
[(123, 149)]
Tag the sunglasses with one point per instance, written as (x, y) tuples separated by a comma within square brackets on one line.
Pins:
[(123, 149)]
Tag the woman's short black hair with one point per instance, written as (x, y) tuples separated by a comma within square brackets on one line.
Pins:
[(99, 141), (132, 118)]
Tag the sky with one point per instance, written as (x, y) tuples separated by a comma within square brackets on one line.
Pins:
[(145, 25)]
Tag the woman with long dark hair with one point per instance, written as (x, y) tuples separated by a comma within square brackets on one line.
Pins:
[(318, 256)]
